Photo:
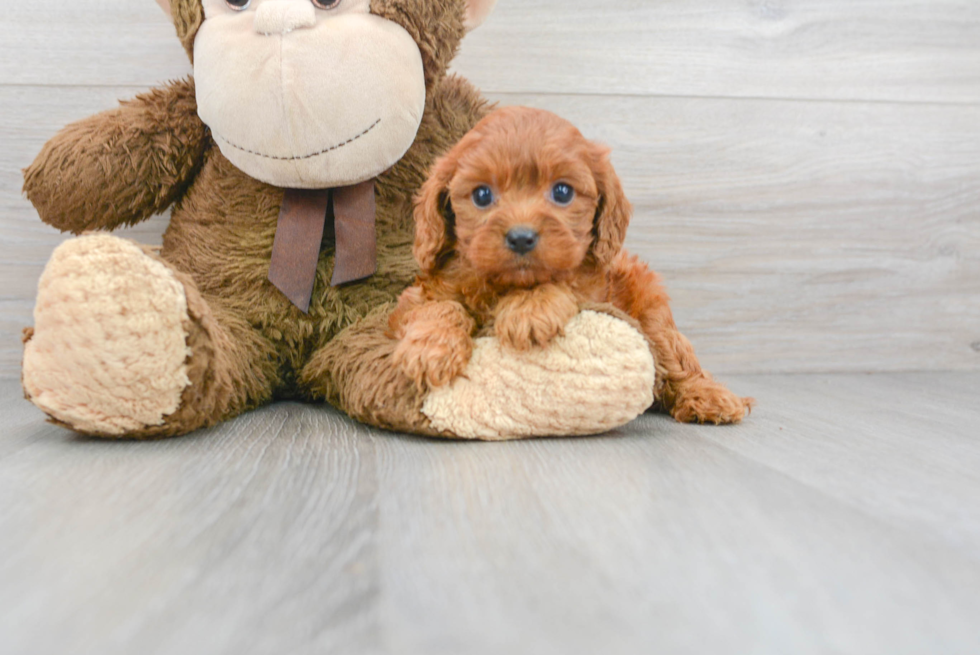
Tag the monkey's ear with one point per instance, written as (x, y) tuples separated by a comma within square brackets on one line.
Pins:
[(614, 211), (188, 19), (477, 12), (434, 229)]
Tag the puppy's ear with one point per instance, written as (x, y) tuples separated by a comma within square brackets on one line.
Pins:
[(434, 219), (614, 211)]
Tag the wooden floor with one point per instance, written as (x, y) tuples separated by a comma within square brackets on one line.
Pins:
[(843, 517)]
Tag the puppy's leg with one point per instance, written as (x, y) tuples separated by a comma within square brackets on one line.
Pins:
[(687, 392), (435, 342), (533, 317)]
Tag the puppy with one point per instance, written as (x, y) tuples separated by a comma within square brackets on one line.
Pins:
[(519, 226)]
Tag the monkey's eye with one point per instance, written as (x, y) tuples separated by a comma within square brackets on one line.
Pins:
[(483, 197), (562, 194), (326, 4), (238, 5)]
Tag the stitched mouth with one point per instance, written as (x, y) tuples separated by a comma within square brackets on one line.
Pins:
[(300, 157)]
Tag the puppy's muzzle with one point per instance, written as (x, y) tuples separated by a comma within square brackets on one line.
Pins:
[(522, 240)]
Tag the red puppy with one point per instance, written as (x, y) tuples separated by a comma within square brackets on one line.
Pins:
[(518, 226)]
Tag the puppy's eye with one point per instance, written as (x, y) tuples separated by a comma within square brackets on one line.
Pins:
[(483, 197), (325, 4), (562, 194), (238, 5)]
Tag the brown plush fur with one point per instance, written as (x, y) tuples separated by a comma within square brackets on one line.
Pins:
[(249, 343), (121, 166), (188, 16), (471, 279)]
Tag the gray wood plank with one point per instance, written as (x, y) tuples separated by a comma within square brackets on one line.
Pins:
[(88, 43), (653, 542), (909, 50), (842, 517), (20, 422), (915, 463), (793, 236), (256, 537), (811, 528), (904, 50)]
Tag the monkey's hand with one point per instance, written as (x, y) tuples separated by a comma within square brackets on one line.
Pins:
[(121, 166)]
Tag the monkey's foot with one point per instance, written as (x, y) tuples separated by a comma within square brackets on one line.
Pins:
[(108, 355), (598, 376)]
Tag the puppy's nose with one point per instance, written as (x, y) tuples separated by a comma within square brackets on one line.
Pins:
[(522, 240)]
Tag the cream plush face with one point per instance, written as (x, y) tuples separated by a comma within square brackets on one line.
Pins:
[(308, 98)]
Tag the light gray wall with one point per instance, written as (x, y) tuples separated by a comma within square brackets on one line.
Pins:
[(806, 173)]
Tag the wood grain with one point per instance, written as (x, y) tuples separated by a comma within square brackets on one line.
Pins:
[(88, 43), (793, 236), (842, 517), (805, 173), (904, 51), (261, 538), (908, 51)]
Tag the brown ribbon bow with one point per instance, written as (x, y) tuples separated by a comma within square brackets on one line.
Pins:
[(350, 211)]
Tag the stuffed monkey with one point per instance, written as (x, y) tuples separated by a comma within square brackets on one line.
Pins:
[(290, 160)]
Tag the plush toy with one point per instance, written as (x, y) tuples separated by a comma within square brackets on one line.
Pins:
[(290, 161)]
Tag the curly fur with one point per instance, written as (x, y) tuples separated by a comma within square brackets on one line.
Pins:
[(472, 280)]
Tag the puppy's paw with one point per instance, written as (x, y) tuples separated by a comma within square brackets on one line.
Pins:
[(534, 318), (523, 332), (702, 400), (433, 358)]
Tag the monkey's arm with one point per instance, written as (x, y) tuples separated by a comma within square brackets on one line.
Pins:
[(121, 166)]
